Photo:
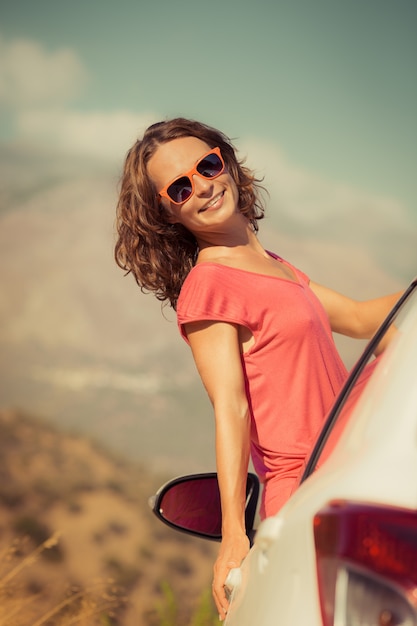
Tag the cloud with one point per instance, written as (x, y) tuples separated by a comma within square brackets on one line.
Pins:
[(314, 200), (38, 87), (31, 76), (318, 211), (107, 135)]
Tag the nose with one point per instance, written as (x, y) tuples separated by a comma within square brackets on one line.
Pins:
[(202, 186)]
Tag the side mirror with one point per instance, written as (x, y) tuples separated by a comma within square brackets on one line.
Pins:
[(191, 504)]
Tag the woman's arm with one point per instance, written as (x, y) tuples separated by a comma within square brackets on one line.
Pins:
[(351, 317), (216, 351)]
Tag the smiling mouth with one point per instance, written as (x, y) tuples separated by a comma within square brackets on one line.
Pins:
[(212, 202)]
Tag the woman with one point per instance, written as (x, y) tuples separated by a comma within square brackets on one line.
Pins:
[(260, 331)]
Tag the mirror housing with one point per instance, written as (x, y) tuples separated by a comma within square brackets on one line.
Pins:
[(191, 504)]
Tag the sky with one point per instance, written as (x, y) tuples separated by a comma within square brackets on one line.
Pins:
[(320, 95), (330, 86)]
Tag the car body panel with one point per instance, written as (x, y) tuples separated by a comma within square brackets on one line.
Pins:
[(375, 461)]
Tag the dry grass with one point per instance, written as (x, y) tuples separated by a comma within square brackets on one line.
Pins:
[(21, 604), (50, 481), (99, 604)]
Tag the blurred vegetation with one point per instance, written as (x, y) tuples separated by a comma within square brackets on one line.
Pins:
[(169, 610), (144, 573)]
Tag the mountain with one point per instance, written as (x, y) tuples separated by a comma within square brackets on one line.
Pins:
[(84, 349), (80, 345)]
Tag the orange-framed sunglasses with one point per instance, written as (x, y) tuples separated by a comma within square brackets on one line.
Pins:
[(181, 189)]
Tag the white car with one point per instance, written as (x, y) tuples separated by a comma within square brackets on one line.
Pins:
[(343, 550)]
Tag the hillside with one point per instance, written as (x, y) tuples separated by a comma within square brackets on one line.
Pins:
[(82, 347), (53, 484), (79, 343)]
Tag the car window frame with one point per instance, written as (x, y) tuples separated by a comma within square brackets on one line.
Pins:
[(356, 371)]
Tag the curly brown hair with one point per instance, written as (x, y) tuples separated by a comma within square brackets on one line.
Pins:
[(157, 253)]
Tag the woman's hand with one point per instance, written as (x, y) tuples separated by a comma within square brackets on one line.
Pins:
[(233, 550)]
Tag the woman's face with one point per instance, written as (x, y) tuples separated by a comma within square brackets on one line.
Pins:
[(213, 200)]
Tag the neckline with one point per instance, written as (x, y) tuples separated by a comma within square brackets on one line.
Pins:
[(295, 280)]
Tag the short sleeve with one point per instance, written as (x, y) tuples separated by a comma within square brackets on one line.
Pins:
[(209, 293)]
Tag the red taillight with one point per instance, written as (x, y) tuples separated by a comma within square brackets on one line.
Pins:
[(367, 565)]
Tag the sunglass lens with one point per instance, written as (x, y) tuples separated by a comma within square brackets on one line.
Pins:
[(210, 166), (180, 190)]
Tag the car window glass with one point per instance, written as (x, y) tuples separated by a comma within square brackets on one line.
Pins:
[(405, 318)]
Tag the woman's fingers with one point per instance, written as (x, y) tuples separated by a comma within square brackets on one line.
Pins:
[(231, 555), (219, 590)]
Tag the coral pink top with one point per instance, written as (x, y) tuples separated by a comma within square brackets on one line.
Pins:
[(293, 371)]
